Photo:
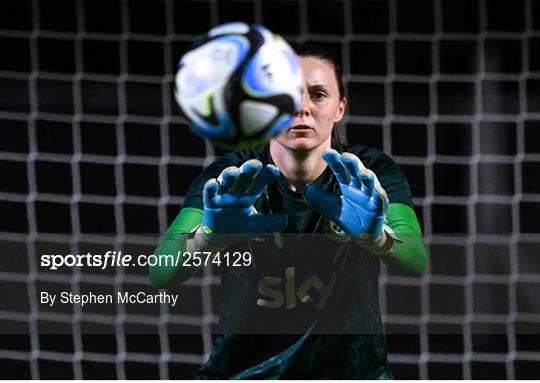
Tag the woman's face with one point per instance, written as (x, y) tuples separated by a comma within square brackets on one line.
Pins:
[(320, 108)]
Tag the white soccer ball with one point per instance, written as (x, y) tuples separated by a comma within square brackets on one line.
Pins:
[(239, 86)]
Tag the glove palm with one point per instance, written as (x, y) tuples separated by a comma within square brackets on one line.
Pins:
[(229, 215), (361, 209)]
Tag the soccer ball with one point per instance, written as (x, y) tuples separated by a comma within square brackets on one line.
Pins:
[(239, 86)]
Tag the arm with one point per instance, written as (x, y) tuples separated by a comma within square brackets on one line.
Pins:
[(174, 241), (187, 220), (409, 255), (228, 216), (362, 210)]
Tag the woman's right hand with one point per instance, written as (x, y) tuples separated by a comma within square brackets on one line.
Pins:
[(229, 215)]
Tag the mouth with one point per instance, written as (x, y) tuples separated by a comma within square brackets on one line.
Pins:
[(301, 128)]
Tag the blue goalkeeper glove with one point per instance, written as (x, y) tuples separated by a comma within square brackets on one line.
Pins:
[(361, 209), (229, 215)]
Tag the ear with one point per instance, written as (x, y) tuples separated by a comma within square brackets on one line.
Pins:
[(341, 109)]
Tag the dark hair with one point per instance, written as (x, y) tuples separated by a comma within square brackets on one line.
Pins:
[(317, 51)]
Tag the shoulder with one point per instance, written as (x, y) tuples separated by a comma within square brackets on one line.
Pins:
[(372, 158), (236, 158)]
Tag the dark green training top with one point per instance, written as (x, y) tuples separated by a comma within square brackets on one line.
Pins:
[(307, 307)]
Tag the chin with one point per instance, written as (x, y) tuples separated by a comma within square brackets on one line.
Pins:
[(301, 141), (301, 144)]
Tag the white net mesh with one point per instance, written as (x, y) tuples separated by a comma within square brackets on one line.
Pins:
[(93, 153)]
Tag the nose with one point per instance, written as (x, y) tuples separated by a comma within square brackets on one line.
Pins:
[(304, 108)]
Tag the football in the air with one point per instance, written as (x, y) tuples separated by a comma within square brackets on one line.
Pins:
[(239, 85)]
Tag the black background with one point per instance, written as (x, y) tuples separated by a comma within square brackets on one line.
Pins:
[(92, 144)]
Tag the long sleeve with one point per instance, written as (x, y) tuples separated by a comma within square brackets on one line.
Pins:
[(167, 275), (409, 257)]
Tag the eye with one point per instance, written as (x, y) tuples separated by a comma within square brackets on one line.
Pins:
[(318, 95)]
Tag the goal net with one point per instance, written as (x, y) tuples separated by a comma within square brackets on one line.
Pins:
[(95, 156)]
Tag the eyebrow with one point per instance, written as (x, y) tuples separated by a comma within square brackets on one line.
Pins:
[(318, 86)]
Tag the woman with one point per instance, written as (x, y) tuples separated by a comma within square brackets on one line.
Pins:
[(317, 216)]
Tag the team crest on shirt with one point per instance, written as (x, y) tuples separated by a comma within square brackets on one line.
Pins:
[(334, 232)]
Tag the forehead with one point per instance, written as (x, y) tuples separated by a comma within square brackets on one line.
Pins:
[(318, 71)]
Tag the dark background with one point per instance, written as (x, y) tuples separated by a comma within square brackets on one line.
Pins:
[(94, 153)]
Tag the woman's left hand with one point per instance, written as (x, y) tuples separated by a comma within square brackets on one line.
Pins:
[(361, 208)]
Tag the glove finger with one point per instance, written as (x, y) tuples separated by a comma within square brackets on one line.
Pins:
[(267, 223), (210, 192), (333, 159), (380, 190), (380, 202), (327, 204), (373, 184), (367, 178), (353, 165), (228, 179), (248, 172), (266, 176)]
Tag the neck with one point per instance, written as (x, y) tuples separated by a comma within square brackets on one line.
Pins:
[(299, 167)]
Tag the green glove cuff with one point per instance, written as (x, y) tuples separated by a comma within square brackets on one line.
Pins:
[(383, 245)]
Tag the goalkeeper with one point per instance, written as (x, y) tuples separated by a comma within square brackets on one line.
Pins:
[(314, 212)]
